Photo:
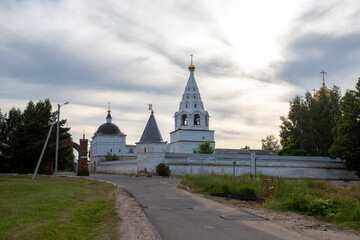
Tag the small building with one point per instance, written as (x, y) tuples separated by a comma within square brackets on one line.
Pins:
[(151, 148), (109, 140)]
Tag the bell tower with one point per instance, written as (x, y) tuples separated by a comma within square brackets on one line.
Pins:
[(191, 120)]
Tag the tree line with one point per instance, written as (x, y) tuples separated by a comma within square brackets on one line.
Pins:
[(22, 137), (326, 125)]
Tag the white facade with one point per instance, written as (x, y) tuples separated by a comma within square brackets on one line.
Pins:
[(191, 121), (108, 139), (102, 145), (149, 155)]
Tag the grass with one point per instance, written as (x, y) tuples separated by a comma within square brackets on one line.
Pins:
[(322, 199), (66, 209)]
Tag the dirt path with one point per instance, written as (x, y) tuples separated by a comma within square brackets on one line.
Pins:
[(134, 224)]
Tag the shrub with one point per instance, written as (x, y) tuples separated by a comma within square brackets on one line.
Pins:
[(321, 207), (162, 170), (111, 157), (296, 202)]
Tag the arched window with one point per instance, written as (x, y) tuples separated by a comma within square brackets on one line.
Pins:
[(110, 149), (144, 149), (206, 120), (184, 120), (197, 119), (194, 96), (195, 105), (119, 150), (187, 97), (186, 106)]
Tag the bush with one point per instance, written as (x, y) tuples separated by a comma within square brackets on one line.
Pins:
[(321, 207), (296, 202), (163, 170), (111, 157)]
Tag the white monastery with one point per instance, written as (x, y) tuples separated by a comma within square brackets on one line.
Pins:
[(191, 129)]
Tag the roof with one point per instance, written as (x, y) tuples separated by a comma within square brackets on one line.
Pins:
[(108, 128), (326, 90), (151, 132)]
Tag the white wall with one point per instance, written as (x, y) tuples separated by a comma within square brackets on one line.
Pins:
[(282, 166), (117, 167), (181, 164)]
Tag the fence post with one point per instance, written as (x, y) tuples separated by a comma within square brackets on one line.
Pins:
[(253, 163)]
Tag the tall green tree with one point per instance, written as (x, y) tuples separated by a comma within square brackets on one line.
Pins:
[(347, 130), (309, 124), (10, 123), (25, 134), (270, 143)]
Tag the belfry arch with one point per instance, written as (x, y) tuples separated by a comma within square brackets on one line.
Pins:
[(82, 149)]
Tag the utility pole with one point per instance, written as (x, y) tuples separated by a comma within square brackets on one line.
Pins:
[(57, 139), (43, 151)]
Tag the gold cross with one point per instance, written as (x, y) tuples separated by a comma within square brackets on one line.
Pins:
[(150, 107)]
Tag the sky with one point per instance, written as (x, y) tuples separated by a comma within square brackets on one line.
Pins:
[(251, 57)]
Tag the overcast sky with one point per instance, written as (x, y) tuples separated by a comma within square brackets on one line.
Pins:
[(251, 57)]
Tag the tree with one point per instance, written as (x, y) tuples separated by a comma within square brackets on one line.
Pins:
[(246, 147), (10, 123), (310, 121), (270, 143), (290, 148), (25, 134), (205, 148), (347, 130)]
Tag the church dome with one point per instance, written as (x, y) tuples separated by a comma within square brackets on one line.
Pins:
[(108, 128), (326, 90)]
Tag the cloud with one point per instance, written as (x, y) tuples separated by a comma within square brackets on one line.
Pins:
[(338, 55), (323, 38), (136, 52)]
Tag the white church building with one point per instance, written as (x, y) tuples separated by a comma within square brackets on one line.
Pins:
[(191, 129), (109, 140)]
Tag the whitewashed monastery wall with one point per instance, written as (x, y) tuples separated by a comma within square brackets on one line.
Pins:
[(282, 166)]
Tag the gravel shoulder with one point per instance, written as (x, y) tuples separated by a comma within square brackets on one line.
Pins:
[(134, 223)]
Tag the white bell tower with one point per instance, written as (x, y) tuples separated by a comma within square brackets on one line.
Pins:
[(191, 121)]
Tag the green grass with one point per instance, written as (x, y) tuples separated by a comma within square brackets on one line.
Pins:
[(322, 199), (70, 208)]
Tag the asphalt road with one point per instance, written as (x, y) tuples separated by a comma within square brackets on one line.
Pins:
[(178, 214)]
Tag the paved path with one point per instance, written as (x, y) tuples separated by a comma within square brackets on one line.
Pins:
[(178, 214)]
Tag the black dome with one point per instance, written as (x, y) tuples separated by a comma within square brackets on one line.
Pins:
[(108, 128)]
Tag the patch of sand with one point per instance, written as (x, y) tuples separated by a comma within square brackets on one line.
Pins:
[(134, 224)]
